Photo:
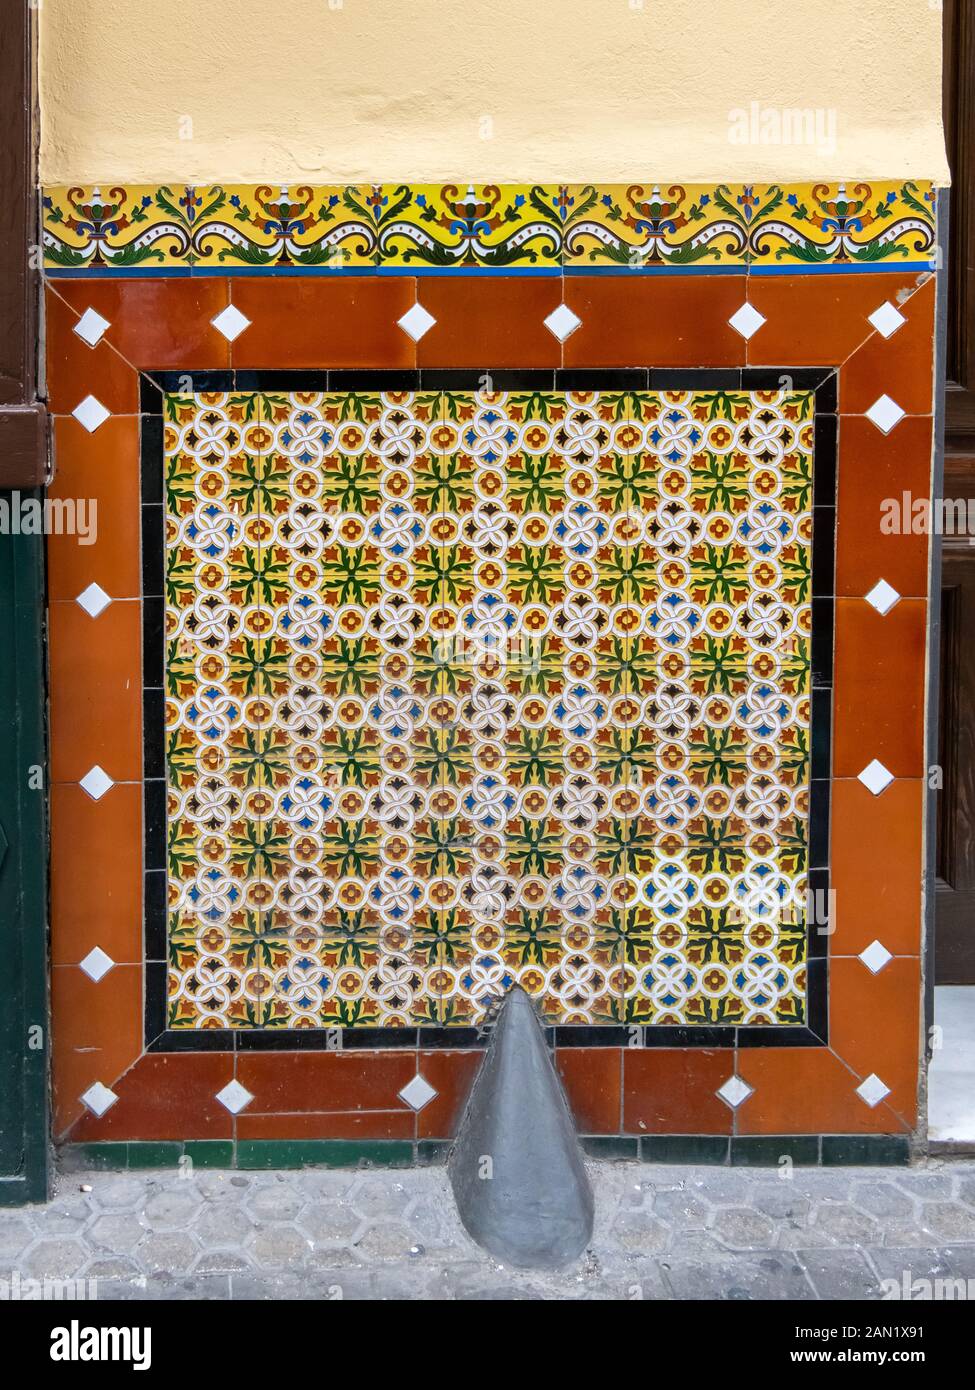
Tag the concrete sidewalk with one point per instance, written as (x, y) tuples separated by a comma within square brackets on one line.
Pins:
[(661, 1233)]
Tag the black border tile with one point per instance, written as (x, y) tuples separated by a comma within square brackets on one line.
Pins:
[(825, 436), (695, 379)]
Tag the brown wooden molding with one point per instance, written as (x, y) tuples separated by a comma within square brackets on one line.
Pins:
[(23, 427), (23, 446)]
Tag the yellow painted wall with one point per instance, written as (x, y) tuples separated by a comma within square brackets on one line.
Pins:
[(508, 90)]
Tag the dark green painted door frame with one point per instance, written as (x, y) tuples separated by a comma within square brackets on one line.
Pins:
[(24, 1142)]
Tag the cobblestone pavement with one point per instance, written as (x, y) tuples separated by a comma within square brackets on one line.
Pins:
[(660, 1232)]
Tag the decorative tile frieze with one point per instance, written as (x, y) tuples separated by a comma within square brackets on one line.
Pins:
[(443, 228)]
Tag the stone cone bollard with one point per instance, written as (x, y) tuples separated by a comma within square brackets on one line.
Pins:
[(519, 1182)]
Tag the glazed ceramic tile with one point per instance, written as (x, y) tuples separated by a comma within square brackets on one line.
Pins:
[(466, 691), (488, 227)]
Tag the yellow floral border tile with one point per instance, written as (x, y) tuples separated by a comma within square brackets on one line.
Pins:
[(500, 228)]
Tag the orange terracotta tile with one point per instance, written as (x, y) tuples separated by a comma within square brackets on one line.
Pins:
[(901, 366), (592, 1077), (817, 320), (324, 323), (875, 469), (805, 1090), (96, 1033), (96, 691), (356, 1124), (877, 863), (96, 874), (102, 470), (651, 321), (874, 1026), (75, 370), (489, 323), (166, 1096), (879, 687), (674, 1091), (325, 1081), (164, 323), (452, 1076)]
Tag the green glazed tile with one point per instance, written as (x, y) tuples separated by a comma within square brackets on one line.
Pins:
[(161, 1155), (684, 1148), (767, 1151), (610, 1146), (324, 1153), (210, 1153), (884, 1150)]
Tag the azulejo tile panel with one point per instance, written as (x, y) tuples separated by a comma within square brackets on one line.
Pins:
[(470, 690), (500, 228)]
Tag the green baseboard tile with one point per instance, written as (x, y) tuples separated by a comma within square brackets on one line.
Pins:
[(610, 1146), (768, 1150), (324, 1153), (755, 1151), (684, 1148), (880, 1150), (107, 1157), (153, 1155), (432, 1153), (210, 1153)]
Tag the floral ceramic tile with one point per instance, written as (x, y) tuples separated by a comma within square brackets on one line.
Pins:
[(503, 228), (467, 690)]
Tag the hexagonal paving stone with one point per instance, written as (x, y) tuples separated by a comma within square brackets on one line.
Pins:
[(279, 1246), (845, 1225), (882, 1199), (680, 1208), (172, 1252), (948, 1220), (638, 1231), (57, 1258), (223, 1224), (173, 1208), (386, 1240), (781, 1203), (115, 1192), (118, 1231), (282, 1202), (375, 1198), (331, 1222), (113, 1267), (743, 1229), (15, 1236), (966, 1191)]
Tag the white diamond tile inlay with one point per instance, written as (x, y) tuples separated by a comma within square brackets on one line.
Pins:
[(94, 600), (883, 596), (885, 414), (872, 1090), (90, 327), (416, 322), (747, 321), (97, 963), (231, 323), (887, 319), (875, 777), (98, 1099), (417, 1093), (91, 413), (734, 1091), (96, 782), (562, 322), (875, 956), (235, 1097)]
